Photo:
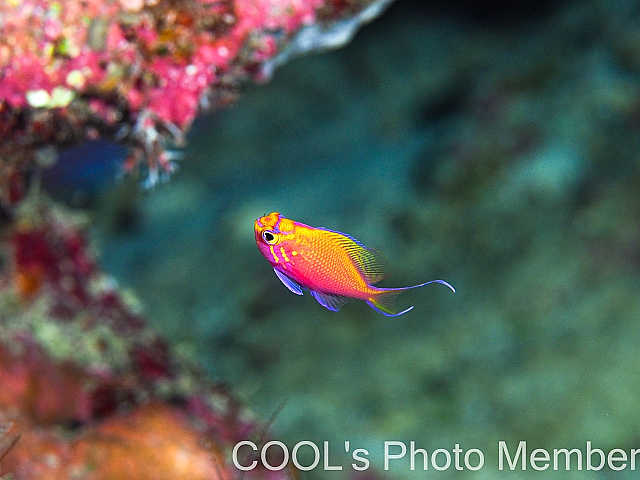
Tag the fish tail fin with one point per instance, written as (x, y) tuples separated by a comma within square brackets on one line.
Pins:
[(384, 299), (384, 303)]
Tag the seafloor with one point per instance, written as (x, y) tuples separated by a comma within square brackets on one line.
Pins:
[(501, 154)]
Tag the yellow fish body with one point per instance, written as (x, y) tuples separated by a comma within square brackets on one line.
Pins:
[(333, 266)]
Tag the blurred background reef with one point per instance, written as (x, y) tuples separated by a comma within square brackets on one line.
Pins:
[(492, 144)]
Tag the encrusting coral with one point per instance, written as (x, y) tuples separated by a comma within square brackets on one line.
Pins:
[(139, 71), (7, 441), (88, 388), (91, 389)]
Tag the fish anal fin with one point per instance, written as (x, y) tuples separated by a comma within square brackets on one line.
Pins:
[(288, 282), (329, 301)]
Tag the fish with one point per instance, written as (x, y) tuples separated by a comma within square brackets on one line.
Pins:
[(83, 171), (333, 266)]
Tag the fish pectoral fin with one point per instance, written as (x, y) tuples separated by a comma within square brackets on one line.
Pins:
[(369, 261), (288, 282), (329, 301)]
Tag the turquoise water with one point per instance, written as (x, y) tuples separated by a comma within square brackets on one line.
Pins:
[(504, 160)]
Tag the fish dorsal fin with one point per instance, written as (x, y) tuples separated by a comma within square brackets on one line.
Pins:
[(328, 300), (288, 282), (369, 261)]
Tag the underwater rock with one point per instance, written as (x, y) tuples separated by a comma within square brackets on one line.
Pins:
[(152, 441), (8, 440), (90, 387), (140, 71)]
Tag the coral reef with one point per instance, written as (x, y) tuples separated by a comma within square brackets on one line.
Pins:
[(139, 71), (7, 440), (88, 388), (91, 389), (505, 159)]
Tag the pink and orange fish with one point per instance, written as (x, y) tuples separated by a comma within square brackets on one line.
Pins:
[(333, 266)]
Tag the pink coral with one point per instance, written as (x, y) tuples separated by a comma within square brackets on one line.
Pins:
[(75, 353), (133, 70)]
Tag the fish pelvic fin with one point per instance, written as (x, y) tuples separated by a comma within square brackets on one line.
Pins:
[(289, 282), (384, 299)]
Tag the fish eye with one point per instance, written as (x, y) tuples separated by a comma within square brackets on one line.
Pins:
[(269, 237)]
